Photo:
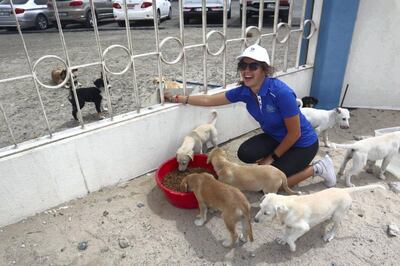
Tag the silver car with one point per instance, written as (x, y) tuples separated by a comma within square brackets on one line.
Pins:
[(30, 13), (78, 11)]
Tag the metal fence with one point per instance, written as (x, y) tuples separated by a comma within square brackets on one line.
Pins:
[(277, 38)]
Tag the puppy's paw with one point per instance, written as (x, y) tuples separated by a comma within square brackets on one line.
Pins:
[(292, 247), (350, 185), (280, 240), (328, 236), (199, 222), (227, 243), (242, 238), (382, 176)]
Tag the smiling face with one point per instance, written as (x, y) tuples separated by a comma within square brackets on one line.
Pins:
[(252, 72)]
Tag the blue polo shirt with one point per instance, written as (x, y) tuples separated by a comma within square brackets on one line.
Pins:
[(275, 102)]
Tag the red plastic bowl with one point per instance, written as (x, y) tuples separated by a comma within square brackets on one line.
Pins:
[(185, 200)]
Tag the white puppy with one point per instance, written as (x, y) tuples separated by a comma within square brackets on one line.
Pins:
[(322, 120), (196, 142), (366, 151), (300, 213)]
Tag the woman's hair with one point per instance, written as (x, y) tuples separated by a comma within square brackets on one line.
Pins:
[(268, 70)]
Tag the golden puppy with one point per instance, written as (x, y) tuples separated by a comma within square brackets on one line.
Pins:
[(225, 198), (168, 84), (249, 177)]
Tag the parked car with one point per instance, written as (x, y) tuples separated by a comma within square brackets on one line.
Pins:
[(78, 11), (253, 8), (215, 8), (141, 10), (30, 13)]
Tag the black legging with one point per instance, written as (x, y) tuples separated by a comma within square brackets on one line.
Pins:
[(291, 162)]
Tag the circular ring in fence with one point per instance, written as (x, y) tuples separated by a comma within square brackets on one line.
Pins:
[(287, 28), (313, 28), (249, 34), (180, 55), (222, 48), (114, 46), (58, 59)]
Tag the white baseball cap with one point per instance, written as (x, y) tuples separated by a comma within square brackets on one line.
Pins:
[(255, 52)]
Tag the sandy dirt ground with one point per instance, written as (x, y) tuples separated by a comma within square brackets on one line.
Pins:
[(133, 224)]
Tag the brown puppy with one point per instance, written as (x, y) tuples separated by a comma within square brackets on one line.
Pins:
[(59, 74), (225, 198), (248, 177)]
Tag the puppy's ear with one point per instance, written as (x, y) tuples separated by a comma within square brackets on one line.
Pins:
[(337, 109), (263, 197), (191, 155), (281, 209), (184, 185), (63, 74)]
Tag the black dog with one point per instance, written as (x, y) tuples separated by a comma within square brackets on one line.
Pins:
[(88, 94), (309, 101)]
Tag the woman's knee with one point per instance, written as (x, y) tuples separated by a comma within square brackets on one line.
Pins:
[(246, 155)]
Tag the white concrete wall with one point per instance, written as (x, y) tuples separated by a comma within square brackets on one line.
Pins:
[(374, 63), (76, 161)]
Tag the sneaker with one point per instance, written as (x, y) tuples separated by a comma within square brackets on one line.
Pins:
[(324, 168)]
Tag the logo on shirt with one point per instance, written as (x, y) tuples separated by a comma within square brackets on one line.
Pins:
[(270, 108)]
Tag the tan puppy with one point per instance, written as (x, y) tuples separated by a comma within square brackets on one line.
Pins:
[(249, 177), (167, 84), (300, 213), (230, 201), (196, 142)]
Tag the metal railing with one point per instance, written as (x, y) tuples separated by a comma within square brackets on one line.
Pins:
[(244, 41)]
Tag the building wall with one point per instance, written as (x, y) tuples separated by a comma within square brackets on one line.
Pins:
[(373, 68)]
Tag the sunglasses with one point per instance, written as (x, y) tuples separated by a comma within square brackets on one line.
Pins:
[(252, 66)]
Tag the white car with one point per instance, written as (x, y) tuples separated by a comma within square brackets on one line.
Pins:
[(214, 8), (30, 13), (141, 10)]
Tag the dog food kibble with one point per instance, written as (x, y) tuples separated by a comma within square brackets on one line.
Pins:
[(173, 179)]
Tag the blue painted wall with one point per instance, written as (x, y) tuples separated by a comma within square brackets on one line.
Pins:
[(304, 44), (334, 41)]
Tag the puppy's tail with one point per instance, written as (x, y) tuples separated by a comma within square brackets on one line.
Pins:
[(341, 146), (367, 187), (287, 189), (214, 117)]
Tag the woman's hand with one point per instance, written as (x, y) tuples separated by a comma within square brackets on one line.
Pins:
[(265, 161)]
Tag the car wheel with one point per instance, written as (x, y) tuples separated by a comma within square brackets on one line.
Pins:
[(186, 19), (284, 16), (121, 23), (89, 19), (41, 22), (169, 14), (158, 17)]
